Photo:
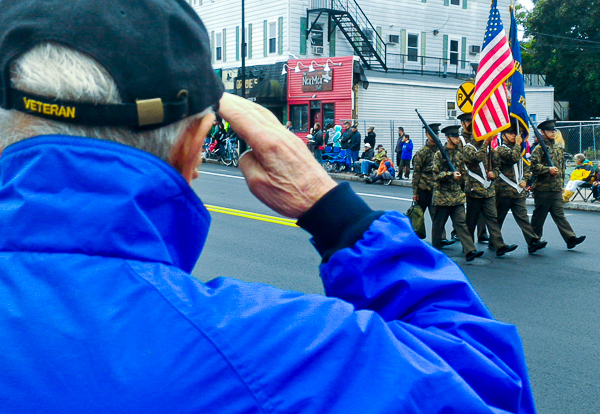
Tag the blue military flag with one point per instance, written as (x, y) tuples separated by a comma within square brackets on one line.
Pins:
[(518, 104)]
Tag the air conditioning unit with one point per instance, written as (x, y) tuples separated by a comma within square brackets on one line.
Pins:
[(394, 39), (474, 49), (317, 50)]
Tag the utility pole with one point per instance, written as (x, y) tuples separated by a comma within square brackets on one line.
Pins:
[(243, 146)]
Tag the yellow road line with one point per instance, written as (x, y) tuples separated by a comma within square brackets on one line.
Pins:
[(253, 216)]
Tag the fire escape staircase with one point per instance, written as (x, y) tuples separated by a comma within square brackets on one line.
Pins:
[(355, 26)]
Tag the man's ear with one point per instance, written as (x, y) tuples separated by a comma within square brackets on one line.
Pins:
[(186, 155)]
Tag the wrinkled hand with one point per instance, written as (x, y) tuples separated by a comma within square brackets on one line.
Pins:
[(553, 170), (280, 170), (491, 175), (457, 175)]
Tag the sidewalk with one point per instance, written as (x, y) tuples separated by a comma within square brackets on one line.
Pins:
[(577, 204)]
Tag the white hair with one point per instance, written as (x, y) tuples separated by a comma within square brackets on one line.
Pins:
[(579, 157), (55, 71)]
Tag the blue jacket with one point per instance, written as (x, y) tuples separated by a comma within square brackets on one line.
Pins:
[(98, 312), (407, 150)]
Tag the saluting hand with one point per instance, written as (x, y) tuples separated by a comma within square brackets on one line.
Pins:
[(280, 170)]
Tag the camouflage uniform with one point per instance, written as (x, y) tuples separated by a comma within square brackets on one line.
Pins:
[(481, 201), (422, 182), (467, 137), (509, 198), (548, 190), (449, 200)]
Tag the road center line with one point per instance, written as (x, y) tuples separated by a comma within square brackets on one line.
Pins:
[(223, 175), (382, 196), (253, 216)]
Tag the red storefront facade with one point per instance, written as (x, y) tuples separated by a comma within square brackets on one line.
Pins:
[(323, 95)]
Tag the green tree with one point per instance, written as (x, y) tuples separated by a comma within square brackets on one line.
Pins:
[(565, 46)]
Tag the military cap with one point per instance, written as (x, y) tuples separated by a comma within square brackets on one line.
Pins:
[(451, 130), (466, 117), (513, 129), (549, 125), (435, 127)]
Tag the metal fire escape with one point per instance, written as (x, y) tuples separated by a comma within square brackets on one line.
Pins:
[(356, 27)]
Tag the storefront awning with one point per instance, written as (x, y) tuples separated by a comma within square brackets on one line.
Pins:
[(264, 83)]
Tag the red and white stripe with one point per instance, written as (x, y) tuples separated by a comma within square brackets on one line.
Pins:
[(490, 114)]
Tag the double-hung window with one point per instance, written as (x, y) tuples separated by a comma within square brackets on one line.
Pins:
[(413, 47), (273, 37), (219, 46)]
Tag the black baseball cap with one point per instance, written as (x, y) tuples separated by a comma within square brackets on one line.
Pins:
[(451, 130), (157, 51)]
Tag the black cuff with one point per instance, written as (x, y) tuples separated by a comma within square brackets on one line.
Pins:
[(338, 220)]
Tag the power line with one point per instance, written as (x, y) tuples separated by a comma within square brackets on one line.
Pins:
[(564, 37)]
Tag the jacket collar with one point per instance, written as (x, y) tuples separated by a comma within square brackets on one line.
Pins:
[(81, 195)]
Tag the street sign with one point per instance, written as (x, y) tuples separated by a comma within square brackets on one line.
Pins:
[(464, 97)]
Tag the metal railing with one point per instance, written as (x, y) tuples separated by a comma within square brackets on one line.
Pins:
[(363, 24), (427, 65)]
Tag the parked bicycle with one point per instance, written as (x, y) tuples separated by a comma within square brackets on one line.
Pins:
[(223, 149)]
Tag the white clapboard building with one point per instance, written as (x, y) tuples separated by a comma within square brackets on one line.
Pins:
[(408, 54)]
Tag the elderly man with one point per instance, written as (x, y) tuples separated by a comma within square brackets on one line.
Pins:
[(100, 229)]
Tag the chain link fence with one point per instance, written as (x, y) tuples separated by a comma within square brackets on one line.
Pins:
[(581, 137)]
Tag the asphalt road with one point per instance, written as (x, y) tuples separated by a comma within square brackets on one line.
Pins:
[(552, 297)]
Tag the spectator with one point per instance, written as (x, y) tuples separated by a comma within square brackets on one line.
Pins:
[(366, 166), (354, 146), (100, 229), (596, 187), (399, 145), (288, 125), (336, 136), (385, 173), (318, 142), (406, 157), (370, 138), (584, 173), (328, 134), (366, 156)]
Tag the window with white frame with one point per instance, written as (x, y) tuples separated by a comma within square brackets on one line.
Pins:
[(412, 49), (218, 46), (451, 110), (273, 37), (316, 35), (454, 51)]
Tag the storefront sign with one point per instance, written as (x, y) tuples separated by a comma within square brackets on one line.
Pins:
[(317, 81)]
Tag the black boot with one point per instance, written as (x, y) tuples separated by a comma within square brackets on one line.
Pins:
[(574, 241), (473, 255), (536, 245), (506, 249)]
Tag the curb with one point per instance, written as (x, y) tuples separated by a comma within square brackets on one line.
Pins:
[(572, 205)]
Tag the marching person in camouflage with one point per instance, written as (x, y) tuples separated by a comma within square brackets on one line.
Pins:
[(466, 121), (511, 184), (449, 195), (548, 187), (422, 182), (481, 167)]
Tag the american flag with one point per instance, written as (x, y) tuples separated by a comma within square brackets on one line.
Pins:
[(490, 110)]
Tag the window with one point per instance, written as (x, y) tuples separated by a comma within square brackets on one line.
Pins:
[(413, 47), (455, 2), (299, 117), (219, 46), (328, 114), (454, 52), (451, 110), (272, 37), (316, 35)]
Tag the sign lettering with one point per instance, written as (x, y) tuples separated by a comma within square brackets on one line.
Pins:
[(317, 81)]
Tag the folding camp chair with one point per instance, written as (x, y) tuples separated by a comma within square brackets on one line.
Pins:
[(584, 191)]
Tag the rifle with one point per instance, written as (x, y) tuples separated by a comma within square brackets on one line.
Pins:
[(540, 139), (438, 143)]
